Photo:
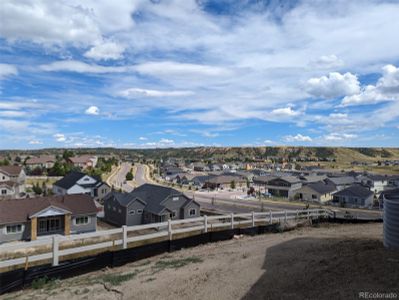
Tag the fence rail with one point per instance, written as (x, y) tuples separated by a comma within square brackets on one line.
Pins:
[(57, 246)]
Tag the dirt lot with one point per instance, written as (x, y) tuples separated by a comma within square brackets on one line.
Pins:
[(326, 262)]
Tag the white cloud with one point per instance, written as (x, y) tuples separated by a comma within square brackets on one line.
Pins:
[(80, 67), (12, 113), (210, 134), (334, 85), (298, 138), (59, 137), (35, 142), (285, 112), (327, 62), (137, 92), (92, 110), (142, 138), (7, 70), (166, 141), (339, 136), (268, 142), (386, 89), (106, 51), (166, 68), (47, 22)]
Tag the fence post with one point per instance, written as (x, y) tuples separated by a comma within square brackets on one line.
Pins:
[(270, 217), (297, 214), (205, 223), (55, 251), (124, 236), (285, 216), (232, 221), (308, 214), (253, 219), (170, 229)]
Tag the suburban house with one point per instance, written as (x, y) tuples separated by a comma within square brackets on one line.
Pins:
[(12, 182), (184, 178), (84, 161), (81, 183), (43, 161), (342, 182), (284, 186), (225, 182), (26, 219), (199, 181), (148, 204), (321, 191), (376, 183), (354, 196)]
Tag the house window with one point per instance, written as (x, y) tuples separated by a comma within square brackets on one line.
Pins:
[(173, 214), (82, 220), (113, 208), (175, 198), (119, 210), (4, 177), (109, 206), (314, 196), (11, 229), (4, 192), (139, 211), (132, 212), (192, 212)]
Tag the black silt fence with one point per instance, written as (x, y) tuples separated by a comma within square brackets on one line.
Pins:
[(17, 279)]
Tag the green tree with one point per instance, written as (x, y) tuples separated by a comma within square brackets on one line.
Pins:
[(67, 154), (129, 176), (232, 184), (37, 189), (4, 162)]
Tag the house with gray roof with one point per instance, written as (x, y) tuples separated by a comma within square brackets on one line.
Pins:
[(342, 182), (81, 183), (320, 191), (375, 182), (282, 186), (29, 218), (148, 203), (354, 196)]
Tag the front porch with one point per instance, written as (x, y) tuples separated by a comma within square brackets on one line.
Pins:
[(50, 221)]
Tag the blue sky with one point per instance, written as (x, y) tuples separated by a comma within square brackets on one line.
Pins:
[(145, 74)]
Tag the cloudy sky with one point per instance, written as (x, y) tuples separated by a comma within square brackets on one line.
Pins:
[(179, 73)]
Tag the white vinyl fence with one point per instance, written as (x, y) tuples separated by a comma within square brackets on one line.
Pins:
[(104, 240)]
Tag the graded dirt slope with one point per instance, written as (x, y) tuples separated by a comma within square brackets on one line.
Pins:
[(326, 262)]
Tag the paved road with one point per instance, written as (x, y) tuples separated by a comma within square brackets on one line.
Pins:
[(140, 176), (226, 199), (228, 202), (118, 180)]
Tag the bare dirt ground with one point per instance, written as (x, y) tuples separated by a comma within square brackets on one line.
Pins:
[(325, 262)]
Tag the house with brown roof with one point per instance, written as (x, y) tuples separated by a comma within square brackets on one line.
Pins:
[(43, 161), (84, 161), (12, 182), (29, 218), (225, 182)]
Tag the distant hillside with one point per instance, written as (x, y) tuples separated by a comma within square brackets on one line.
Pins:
[(339, 155)]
